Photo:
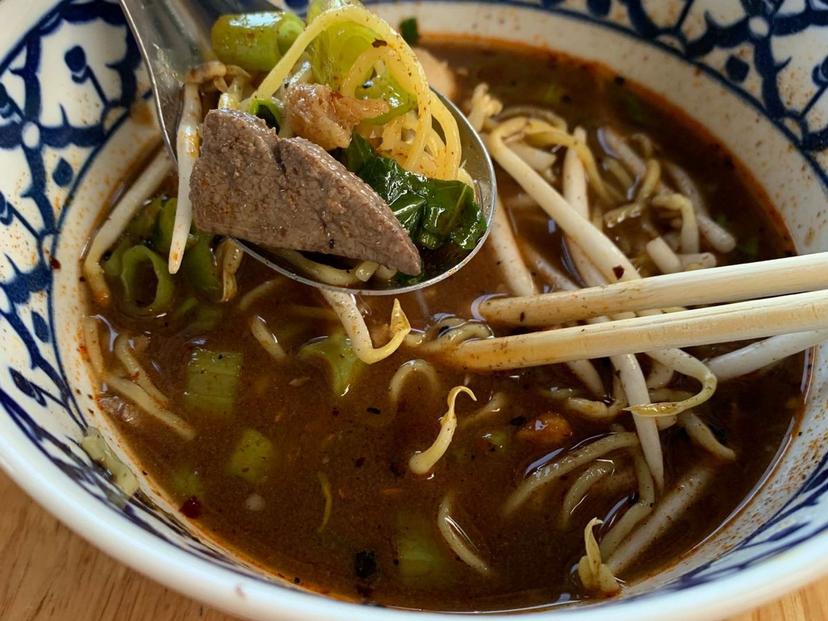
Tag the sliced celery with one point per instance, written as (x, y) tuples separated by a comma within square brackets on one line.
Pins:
[(200, 268), (252, 457), (336, 355), (187, 483), (422, 562), (212, 381)]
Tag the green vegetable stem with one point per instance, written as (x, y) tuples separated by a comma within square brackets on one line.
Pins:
[(255, 41), (147, 286)]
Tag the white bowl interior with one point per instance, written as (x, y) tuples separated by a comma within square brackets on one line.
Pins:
[(45, 430)]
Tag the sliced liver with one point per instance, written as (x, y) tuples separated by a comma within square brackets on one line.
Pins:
[(290, 193)]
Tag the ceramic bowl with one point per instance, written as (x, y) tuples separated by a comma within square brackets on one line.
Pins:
[(73, 117)]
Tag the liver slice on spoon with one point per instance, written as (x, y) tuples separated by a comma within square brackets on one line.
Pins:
[(289, 193)]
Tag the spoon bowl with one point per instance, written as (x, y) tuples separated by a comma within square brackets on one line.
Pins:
[(174, 36)]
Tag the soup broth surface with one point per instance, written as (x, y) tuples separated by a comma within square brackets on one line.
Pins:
[(338, 510)]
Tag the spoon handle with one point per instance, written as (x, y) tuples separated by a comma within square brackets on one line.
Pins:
[(174, 36)]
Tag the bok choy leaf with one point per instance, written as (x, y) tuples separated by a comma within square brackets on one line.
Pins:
[(433, 211)]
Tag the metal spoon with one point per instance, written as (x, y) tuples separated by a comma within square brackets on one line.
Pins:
[(174, 36)]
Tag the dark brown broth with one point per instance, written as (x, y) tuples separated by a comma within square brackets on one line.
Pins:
[(364, 453)]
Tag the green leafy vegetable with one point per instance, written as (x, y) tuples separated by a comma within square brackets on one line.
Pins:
[(146, 283), (212, 381), (433, 211), (358, 154), (336, 355), (252, 457), (410, 30), (255, 41), (444, 208)]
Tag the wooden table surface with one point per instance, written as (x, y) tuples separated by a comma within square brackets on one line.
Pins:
[(48, 573)]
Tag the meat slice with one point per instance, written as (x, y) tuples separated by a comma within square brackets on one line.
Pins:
[(326, 117), (290, 193)]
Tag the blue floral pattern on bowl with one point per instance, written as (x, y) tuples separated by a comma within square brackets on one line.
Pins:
[(746, 51)]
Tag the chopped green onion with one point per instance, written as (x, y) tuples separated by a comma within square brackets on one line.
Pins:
[(336, 356), (142, 225), (255, 41), (200, 268), (386, 88), (196, 316), (410, 31), (288, 30), (268, 110), (162, 236), (184, 309), (205, 319), (212, 382), (337, 48), (252, 457), (112, 265), (147, 286)]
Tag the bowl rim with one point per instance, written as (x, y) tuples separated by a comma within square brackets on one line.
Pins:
[(225, 589)]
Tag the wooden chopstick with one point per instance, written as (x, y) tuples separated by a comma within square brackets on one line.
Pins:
[(702, 326), (715, 285)]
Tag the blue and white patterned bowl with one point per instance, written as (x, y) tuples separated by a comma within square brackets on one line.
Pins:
[(754, 72)]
